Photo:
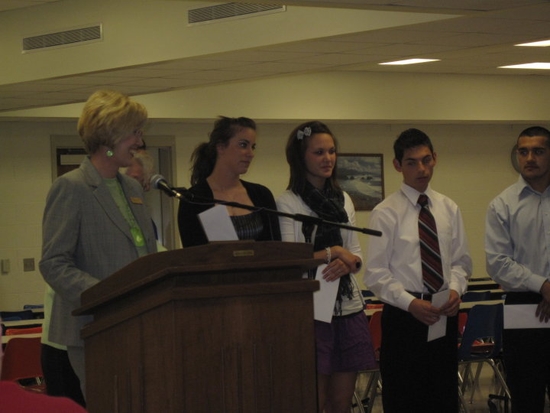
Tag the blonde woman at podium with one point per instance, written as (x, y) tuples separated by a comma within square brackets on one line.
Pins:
[(344, 345), (216, 174), (95, 220)]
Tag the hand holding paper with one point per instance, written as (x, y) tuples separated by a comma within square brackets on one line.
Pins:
[(324, 299), (439, 328), (522, 316)]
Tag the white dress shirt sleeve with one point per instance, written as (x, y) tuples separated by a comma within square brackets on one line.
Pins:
[(501, 248)]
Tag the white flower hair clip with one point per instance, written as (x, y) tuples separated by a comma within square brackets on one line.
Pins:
[(306, 132)]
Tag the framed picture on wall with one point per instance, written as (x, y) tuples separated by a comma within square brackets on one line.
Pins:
[(362, 177)]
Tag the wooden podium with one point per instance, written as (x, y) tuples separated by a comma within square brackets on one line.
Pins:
[(224, 327)]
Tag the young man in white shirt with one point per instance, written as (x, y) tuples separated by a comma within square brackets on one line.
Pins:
[(418, 375), (517, 246)]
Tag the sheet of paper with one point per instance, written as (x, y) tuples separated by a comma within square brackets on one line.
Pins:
[(217, 224), (522, 316), (325, 297), (439, 329)]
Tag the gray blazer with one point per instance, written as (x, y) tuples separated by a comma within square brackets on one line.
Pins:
[(86, 239)]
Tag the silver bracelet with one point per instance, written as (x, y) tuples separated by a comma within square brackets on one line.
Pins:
[(327, 249)]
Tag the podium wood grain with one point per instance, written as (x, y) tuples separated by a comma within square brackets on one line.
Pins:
[(224, 327)]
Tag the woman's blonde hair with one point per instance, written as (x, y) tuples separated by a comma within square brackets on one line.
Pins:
[(108, 117)]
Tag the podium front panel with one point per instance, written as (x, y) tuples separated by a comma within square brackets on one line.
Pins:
[(185, 344)]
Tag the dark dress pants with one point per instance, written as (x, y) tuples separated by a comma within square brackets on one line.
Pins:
[(527, 361), (59, 375), (417, 375)]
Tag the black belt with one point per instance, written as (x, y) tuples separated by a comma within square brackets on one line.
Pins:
[(347, 315), (422, 296), (521, 297)]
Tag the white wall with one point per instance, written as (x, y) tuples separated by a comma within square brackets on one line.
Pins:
[(473, 167), (25, 177), (347, 96)]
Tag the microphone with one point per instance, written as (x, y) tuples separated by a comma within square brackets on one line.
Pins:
[(159, 182)]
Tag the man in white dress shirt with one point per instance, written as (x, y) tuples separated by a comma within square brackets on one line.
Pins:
[(417, 375), (517, 246)]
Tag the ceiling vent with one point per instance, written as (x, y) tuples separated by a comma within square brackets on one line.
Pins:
[(230, 11), (64, 38)]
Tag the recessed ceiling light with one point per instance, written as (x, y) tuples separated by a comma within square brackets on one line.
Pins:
[(534, 65), (410, 62), (542, 43)]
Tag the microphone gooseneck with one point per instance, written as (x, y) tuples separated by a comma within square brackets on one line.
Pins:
[(159, 182)]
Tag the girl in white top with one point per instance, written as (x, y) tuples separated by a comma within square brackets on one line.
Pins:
[(344, 346)]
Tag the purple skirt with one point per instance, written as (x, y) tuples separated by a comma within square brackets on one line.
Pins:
[(344, 345)]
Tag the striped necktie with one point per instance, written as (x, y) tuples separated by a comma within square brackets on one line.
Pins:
[(432, 270)]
